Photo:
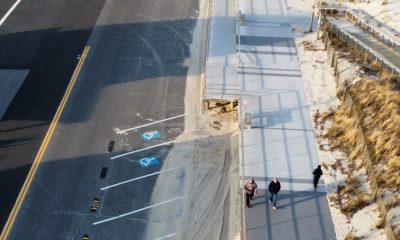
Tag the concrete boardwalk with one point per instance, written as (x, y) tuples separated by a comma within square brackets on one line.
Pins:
[(280, 142)]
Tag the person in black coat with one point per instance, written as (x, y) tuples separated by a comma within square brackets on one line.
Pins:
[(317, 175), (274, 187)]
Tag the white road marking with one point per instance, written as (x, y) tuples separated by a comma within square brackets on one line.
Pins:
[(166, 236), (136, 211), (145, 125), (140, 150), (135, 179), (9, 12)]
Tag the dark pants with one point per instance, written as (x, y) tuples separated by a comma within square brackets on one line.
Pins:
[(273, 198), (248, 197), (316, 179)]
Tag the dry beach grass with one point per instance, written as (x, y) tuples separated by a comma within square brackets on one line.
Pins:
[(376, 123)]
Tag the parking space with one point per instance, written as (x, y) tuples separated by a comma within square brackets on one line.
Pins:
[(135, 163)]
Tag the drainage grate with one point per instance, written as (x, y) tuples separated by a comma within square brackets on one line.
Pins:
[(85, 237), (103, 173), (111, 146), (95, 205)]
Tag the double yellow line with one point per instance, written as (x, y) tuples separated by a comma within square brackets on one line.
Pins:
[(42, 149)]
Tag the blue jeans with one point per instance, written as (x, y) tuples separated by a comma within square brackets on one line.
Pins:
[(273, 198)]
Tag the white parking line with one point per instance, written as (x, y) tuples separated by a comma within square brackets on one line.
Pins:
[(9, 12), (145, 125), (166, 236), (136, 211), (135, 179), (140, 150)]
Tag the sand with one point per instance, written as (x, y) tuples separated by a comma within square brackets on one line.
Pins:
[(207, 157)]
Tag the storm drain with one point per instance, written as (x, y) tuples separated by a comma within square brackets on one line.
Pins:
[(95, 205), (103, 173), (111, 146)]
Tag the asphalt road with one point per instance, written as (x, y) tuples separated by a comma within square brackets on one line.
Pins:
[(134, 74), (44, 37)]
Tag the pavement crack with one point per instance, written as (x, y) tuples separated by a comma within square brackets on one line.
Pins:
[(167, 26), (79, 225), (138, 67), (56, 212)]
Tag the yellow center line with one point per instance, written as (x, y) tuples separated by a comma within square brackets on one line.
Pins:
[(42, 149)]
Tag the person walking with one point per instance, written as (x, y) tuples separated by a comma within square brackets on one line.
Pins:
[(317, 175), (250, 188), (274, 187)]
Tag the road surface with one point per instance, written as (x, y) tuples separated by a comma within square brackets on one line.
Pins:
[(134, 74)]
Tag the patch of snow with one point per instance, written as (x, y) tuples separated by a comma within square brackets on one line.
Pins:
[(386, 17), (364, 222)]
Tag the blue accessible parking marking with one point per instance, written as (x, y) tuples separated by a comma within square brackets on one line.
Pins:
[(151, 135), (147, 162)]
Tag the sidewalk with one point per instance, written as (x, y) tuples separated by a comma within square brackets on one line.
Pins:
[(280, 141)]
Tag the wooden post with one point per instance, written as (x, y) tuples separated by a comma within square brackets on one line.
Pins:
[(336, 65), (336, 62), (325, 26), (312, 19), (326, 42), (329, 47), (319, 23), (356, 50)]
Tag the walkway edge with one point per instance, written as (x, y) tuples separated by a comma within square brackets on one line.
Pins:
[(42, 149)]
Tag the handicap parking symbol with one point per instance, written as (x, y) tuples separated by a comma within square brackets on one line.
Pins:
[(147, 162), (151, 135)]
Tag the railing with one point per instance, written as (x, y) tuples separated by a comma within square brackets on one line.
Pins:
[(241, 165), (207, 45), (380, 34), (357, 44)]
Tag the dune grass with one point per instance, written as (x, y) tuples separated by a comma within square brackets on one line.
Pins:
[(375, 132), (377, 103), (380, 103)]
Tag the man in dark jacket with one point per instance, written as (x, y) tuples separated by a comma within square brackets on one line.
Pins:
[(273, 188), (317, 174)]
